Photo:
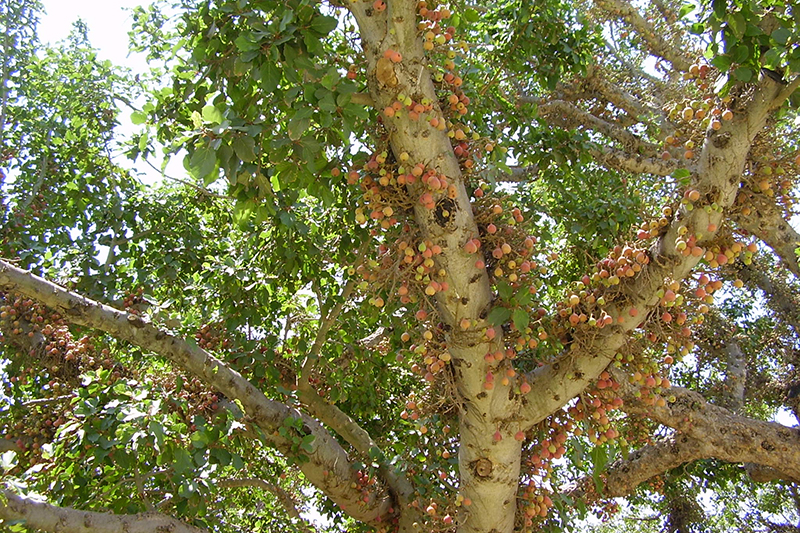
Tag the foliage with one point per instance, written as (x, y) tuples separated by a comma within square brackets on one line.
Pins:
[(311, 250)]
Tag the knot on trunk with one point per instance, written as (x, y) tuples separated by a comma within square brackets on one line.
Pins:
[(482, 467)]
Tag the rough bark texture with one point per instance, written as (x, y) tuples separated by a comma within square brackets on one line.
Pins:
[(623, 476), (766, 222), (721, 433), (780, 296), (39, 515), (719, 170), (489, 468), (328, 467)]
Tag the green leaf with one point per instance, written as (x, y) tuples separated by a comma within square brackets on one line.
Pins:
[(307, 445), (212, 114), (521, 319), (722, 62), (499, 316), (744, 74), (472, 15), (286, 19), (270, 76), (202, 162), (772, 58), (781, 36), (720, 8), (244, 147), (740, 54), (737, 24), (685, 10), (324, 24), (137, 117), (681, 173), (298, 126), (504, 289), (182, 462)]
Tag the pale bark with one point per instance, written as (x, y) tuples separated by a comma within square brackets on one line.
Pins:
[(766, 221), (46, 517), (489, 468), (624, 161), (623, 476), (724, 434), (328, 467), (780, 296), (719, 170), (573, 116), (651, 35)]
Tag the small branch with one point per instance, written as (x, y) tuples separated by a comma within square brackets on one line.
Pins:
[(47, 401), (201, 190), (325, 327), (779, 296), (46, 517), (331, 415), (787, 91), (283, 497), (621, 160), (575, 116)]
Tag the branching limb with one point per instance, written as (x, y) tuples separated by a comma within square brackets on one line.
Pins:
[(46, 517), (780, 297), (624, 161), (332, 416), (765, 220), (518, 175), (727, 436), (328, 466), (283, 497), (724, 154), (623, 476), (574, 116), (649, 33)]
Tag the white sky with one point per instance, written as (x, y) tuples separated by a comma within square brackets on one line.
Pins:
[(108, 21)]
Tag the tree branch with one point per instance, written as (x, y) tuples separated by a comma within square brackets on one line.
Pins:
[(283, 497), (780, 297), (328, 467), (623, 476), (46, 517), (728, 436), (636, 164), (765, 220), (648, 33), (724, 154), (574, 116), (335, 418)]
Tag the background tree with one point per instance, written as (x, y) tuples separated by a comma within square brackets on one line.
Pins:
[(470, 267)]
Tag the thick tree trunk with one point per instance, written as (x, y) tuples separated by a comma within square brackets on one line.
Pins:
[(489, 457)]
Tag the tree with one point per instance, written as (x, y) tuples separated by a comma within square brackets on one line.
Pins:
[(480, 267)]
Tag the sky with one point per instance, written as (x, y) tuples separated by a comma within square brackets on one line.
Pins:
[(108, 21)]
